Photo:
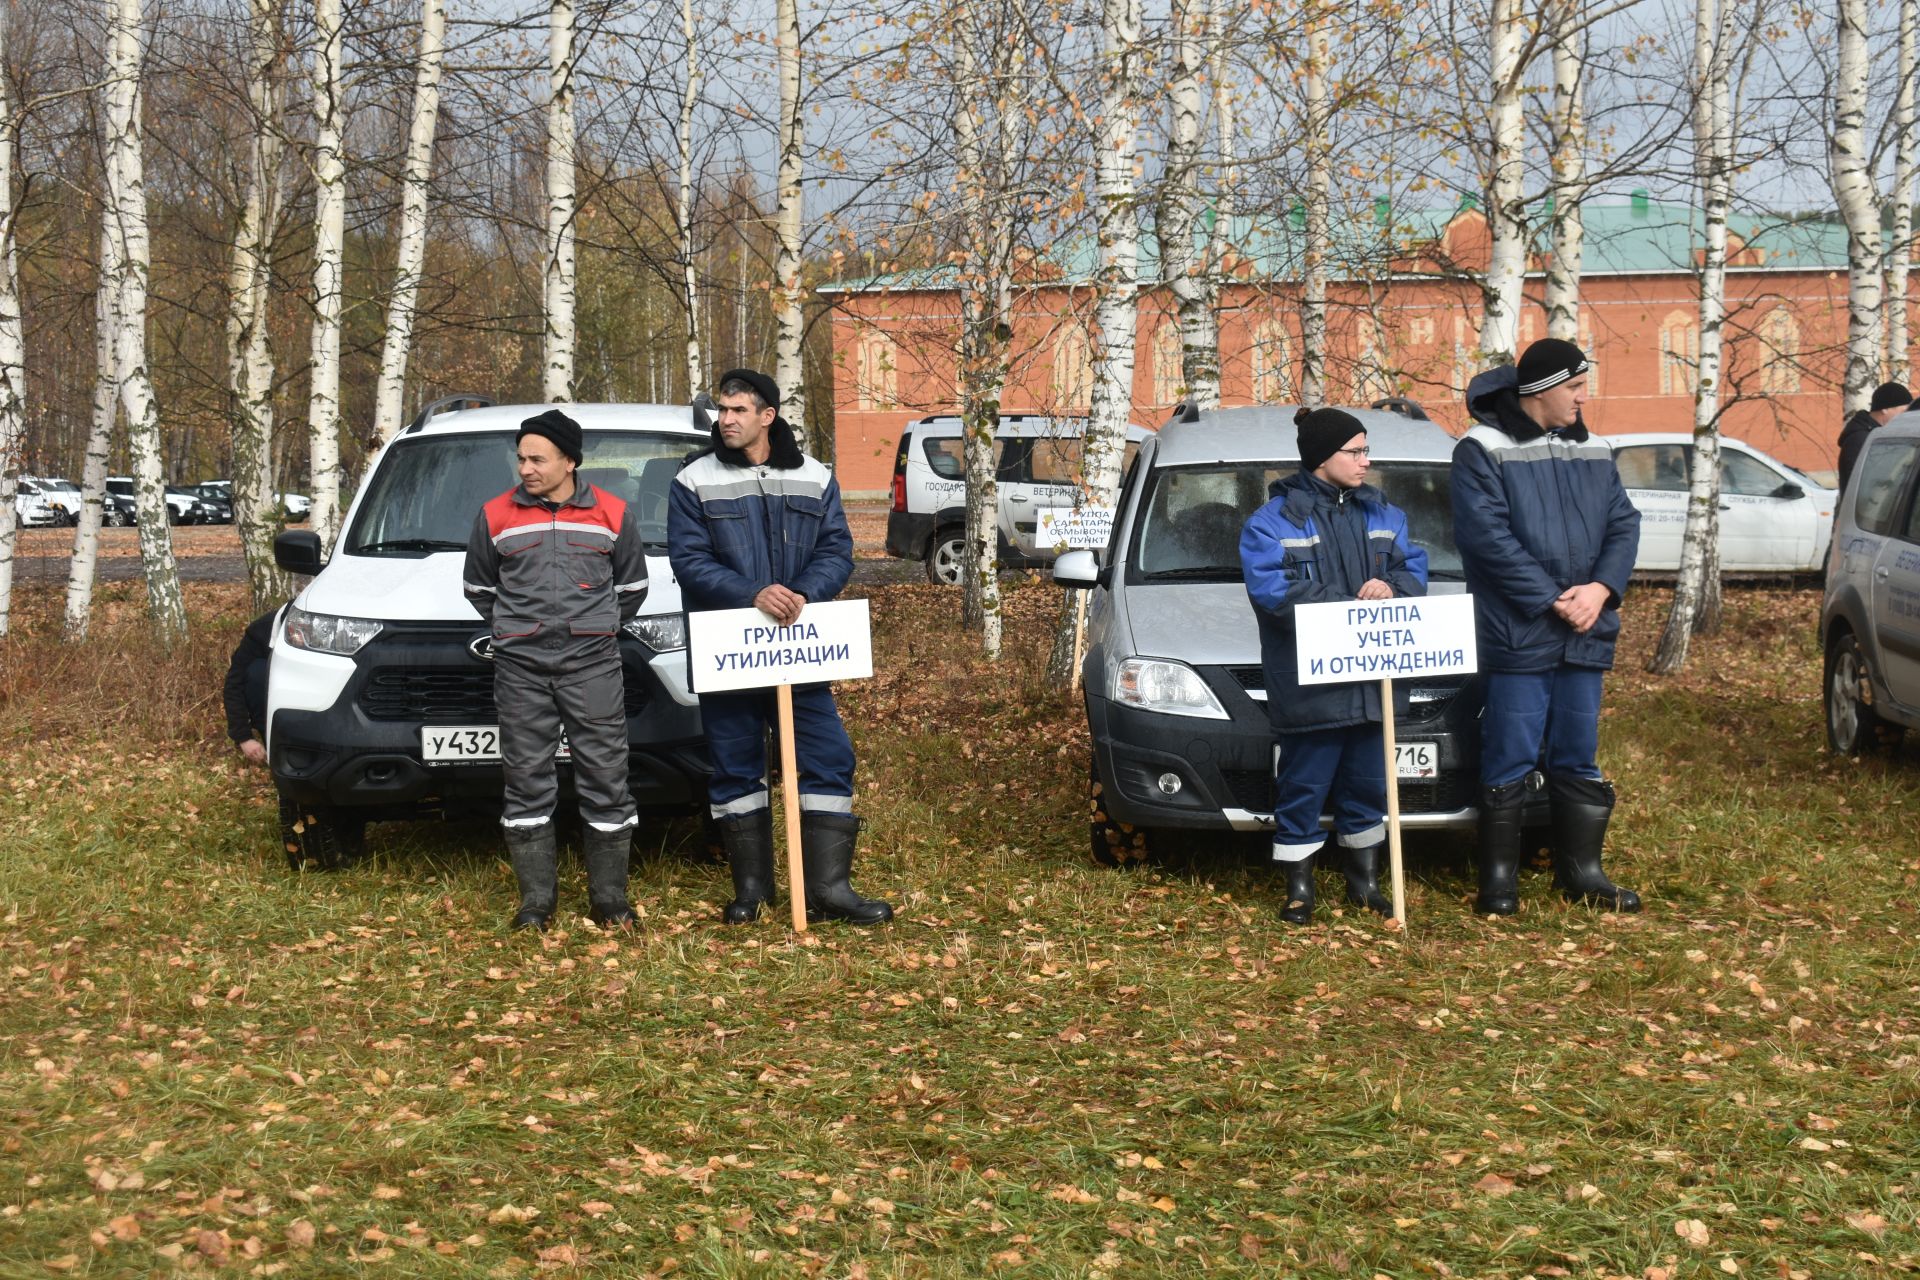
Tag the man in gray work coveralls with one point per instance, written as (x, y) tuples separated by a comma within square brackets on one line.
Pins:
[(555, 567)]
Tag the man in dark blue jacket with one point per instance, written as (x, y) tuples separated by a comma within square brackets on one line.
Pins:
[(1547, 538), (755, 523), (1325, 535)]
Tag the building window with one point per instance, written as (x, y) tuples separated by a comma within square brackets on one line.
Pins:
[(1371, 379), (1169, 379), (1679, 354), (1466, 353), (876, 367), (1073, 366), (1593, 356), (1780, 348), (1273, 380), (1420, 331)]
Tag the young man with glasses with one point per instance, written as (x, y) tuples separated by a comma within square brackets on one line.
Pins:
[(1325, 535)]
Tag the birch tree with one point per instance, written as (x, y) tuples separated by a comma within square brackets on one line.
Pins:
[(1189, 276), (250, 364), (1569, 169), (1854, 191), (82, 566), (1696, 596), (414, 180), (1506, 186), (1319, 201), (683, 221), (1900, 250), (1223, 26), (329, 251), (126, 215), (1116, 281), (13, 362), (562, 205), (789, 375)]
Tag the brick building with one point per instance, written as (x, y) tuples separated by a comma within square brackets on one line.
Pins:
[(1411, 329)]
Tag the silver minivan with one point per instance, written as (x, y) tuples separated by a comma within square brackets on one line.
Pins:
[(1176, 698), (1870, 617)]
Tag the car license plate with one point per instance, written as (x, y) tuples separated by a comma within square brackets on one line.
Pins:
[(1416, 759), (469, 744)]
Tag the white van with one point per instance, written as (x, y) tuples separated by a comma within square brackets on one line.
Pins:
[(1036, 464), (380, 689)]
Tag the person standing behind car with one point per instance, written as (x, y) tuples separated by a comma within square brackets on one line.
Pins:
[(1890, 400), (1326, 535), (755, 523), (1547, 538), (245, 692), (555, 568)]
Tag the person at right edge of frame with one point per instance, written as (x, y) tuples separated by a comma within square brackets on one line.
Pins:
[(1326, 535), (755, 523), (1547, 538)]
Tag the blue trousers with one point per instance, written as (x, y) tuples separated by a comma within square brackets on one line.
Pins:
[(1540, 718), (736, 725), (1344, 769)]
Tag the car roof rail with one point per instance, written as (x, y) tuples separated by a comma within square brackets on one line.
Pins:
[(448, 404)]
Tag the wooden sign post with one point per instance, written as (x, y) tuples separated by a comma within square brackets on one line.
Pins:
[(736, 649), (1351, 640)]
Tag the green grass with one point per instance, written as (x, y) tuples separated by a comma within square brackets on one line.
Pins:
[(1042, 1069)]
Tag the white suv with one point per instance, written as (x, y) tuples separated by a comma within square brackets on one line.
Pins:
[(380, 692)]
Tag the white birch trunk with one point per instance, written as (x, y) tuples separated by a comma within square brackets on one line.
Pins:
[(93, 470), (788, 320), (1187, 274), (984, 284), (12, 340), (1116, 280), (329, 260), (1569, 169), (127, 220), (1900, 252), (1506, 215), (249, 282), (1313, 285), (1853, 188), (390, 394), (1226, 144), (690, 289), (562, 203)]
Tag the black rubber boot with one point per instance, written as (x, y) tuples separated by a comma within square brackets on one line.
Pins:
[(748, 839), (534, 866), (826, 850), (1582, 807), (606, 854), (1500, 813), (1299, 908), (1363, 879)]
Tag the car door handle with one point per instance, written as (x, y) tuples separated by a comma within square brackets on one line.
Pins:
[(1881, 572), (1018, 497), (1725, 507)]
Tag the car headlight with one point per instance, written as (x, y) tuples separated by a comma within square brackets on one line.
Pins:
[(660, 632), (326, 633), (1174, 688)]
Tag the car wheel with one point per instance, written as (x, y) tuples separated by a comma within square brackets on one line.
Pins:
[(1113, 843), (1853, 726), (947, 558), (320, 837)]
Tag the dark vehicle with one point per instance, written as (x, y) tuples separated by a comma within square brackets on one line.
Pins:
[(1176, 698), (380, 693), (1870, 617), (217, 501)]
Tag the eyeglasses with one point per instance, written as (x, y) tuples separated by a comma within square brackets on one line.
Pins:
[(1362, 452)]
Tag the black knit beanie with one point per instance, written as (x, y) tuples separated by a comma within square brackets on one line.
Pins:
[(1891, 395), (760, 382), (557, 427), (1548, 363), (1322, 434)]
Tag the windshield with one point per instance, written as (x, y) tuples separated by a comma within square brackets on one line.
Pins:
[(428, 489), (1191, 519)]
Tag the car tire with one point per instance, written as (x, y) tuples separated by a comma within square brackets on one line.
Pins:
[(946, 558), (319, 837), (1112, 843), (1853, 726)]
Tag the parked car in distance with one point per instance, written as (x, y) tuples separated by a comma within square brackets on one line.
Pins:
[(1870, 615), (34, 507), (62, 494), (1036, 464), (380, 689), (1773, 519), (183, 507), (294, 506), (1175, 694), (218, 500)]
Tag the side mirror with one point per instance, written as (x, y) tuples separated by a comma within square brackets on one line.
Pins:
[(298, 551), (1788, 489), (1076, 569)]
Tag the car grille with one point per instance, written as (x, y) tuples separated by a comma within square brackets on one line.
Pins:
[(1252, 790), (450, 697), (1434, 695)]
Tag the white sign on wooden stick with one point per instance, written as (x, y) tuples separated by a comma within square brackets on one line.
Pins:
[(1385, 639), (745, 649), (1075, 528)]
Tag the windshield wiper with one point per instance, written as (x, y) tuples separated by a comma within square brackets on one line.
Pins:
[(1220, 572), (409, 544)]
